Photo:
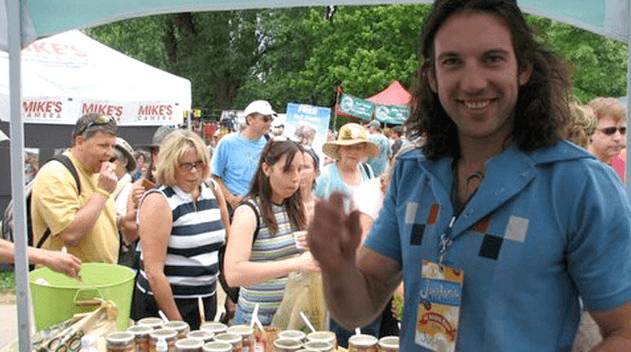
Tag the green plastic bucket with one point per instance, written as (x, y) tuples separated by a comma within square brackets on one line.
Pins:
[(57, 301)]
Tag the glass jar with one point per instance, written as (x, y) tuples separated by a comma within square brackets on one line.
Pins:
[(362, 343), (293, 335), (234, 340), (203, 335), (141, 336), (189, 345), (120, 342), (217, 346), (287, 345), (247, 336), (154, 323), (181, 327), (323, 336), (319, 346), (389, 344), (169, 335)]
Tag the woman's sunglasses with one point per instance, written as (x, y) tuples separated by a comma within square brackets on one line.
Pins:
[(609, 131)]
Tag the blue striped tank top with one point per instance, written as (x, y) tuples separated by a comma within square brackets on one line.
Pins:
[(192, 251), (270, 246)]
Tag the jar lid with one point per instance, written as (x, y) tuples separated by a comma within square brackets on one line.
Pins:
[(176, 324), (284, 343), (318, 346), (292, 334), (214, 327), (150, 321), (217, 346), (189, 343), (389, 342), (321, 336), (139, 329), (166, 333), (201, 334), (241, 330), (230, 338), (362, 340), (120, 337)]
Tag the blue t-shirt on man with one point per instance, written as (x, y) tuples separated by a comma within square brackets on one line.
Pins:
[(543, 228), (235, 161)]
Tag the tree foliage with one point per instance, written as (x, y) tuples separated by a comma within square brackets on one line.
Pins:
[(598, 65), (304, 54), (214, 50)]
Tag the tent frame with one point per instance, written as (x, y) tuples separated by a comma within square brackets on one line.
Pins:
[(15, 30)]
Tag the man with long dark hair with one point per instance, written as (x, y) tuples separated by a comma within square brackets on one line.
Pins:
[(496, 225)]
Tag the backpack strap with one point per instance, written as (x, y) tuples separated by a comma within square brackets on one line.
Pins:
[(252, 204), (65, 161), (367, 171)]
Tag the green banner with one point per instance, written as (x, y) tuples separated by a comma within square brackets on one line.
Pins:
[(393, 114), (356, 107)]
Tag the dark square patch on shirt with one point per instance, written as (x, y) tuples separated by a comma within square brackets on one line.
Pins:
[(491, 247), (417, 234)]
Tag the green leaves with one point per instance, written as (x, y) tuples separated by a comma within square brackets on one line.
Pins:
[(298, 55)]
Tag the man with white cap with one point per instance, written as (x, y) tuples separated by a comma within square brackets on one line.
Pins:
[(237, 155)]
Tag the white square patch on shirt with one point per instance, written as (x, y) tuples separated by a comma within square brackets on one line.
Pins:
[(410, 212), (516, 229)]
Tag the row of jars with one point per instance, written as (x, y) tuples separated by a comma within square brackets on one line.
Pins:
[(217, 337)]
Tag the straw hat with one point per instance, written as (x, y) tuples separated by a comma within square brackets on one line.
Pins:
[(350, 134), (128, 151)]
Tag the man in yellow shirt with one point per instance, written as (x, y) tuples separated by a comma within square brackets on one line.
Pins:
[(84, 222)]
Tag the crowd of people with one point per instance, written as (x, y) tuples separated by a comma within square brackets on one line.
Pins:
[(498, 209)]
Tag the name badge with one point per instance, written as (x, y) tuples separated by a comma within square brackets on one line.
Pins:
[(439, 307)]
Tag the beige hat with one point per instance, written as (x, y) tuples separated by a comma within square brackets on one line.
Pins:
[(350, 134), (128, 151)]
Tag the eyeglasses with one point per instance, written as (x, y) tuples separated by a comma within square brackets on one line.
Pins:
[(609, 131), (197, 165), (101, 120), (267, 118)]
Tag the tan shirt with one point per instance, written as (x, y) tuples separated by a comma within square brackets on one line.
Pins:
[(55, 202)]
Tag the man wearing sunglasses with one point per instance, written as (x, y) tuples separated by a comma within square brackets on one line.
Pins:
[(237, 155), (609, 138), (82, 221)]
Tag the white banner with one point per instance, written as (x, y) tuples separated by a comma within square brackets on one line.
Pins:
[(50, 110)]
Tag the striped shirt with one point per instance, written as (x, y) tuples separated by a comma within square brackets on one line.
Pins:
[(197, 234), (270, 246)]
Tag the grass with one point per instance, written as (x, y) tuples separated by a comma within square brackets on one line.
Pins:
[(7, 281)]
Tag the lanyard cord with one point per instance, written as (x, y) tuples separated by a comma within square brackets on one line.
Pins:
[(445, 238)]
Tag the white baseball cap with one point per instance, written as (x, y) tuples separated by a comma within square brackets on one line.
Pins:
[(259, 107)]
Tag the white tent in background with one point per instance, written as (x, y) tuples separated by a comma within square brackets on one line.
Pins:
[(23, 21), (69, 74)]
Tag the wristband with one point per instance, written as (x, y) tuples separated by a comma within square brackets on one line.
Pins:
[(103, 192)]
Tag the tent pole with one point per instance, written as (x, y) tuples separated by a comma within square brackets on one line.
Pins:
[(628, 161), (14, 18)]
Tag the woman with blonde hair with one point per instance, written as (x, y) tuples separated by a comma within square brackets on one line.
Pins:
[(182, 226)]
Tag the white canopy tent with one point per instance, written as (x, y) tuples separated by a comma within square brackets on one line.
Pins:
[(23, 21), (69, 74)]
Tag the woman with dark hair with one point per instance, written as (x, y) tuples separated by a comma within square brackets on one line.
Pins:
[(261, 250)]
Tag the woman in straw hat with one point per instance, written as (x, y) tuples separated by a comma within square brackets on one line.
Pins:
[(348, 172)]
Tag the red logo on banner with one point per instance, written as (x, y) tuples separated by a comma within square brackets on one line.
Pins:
[(42, 108), (104, 109), (155, 112)]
